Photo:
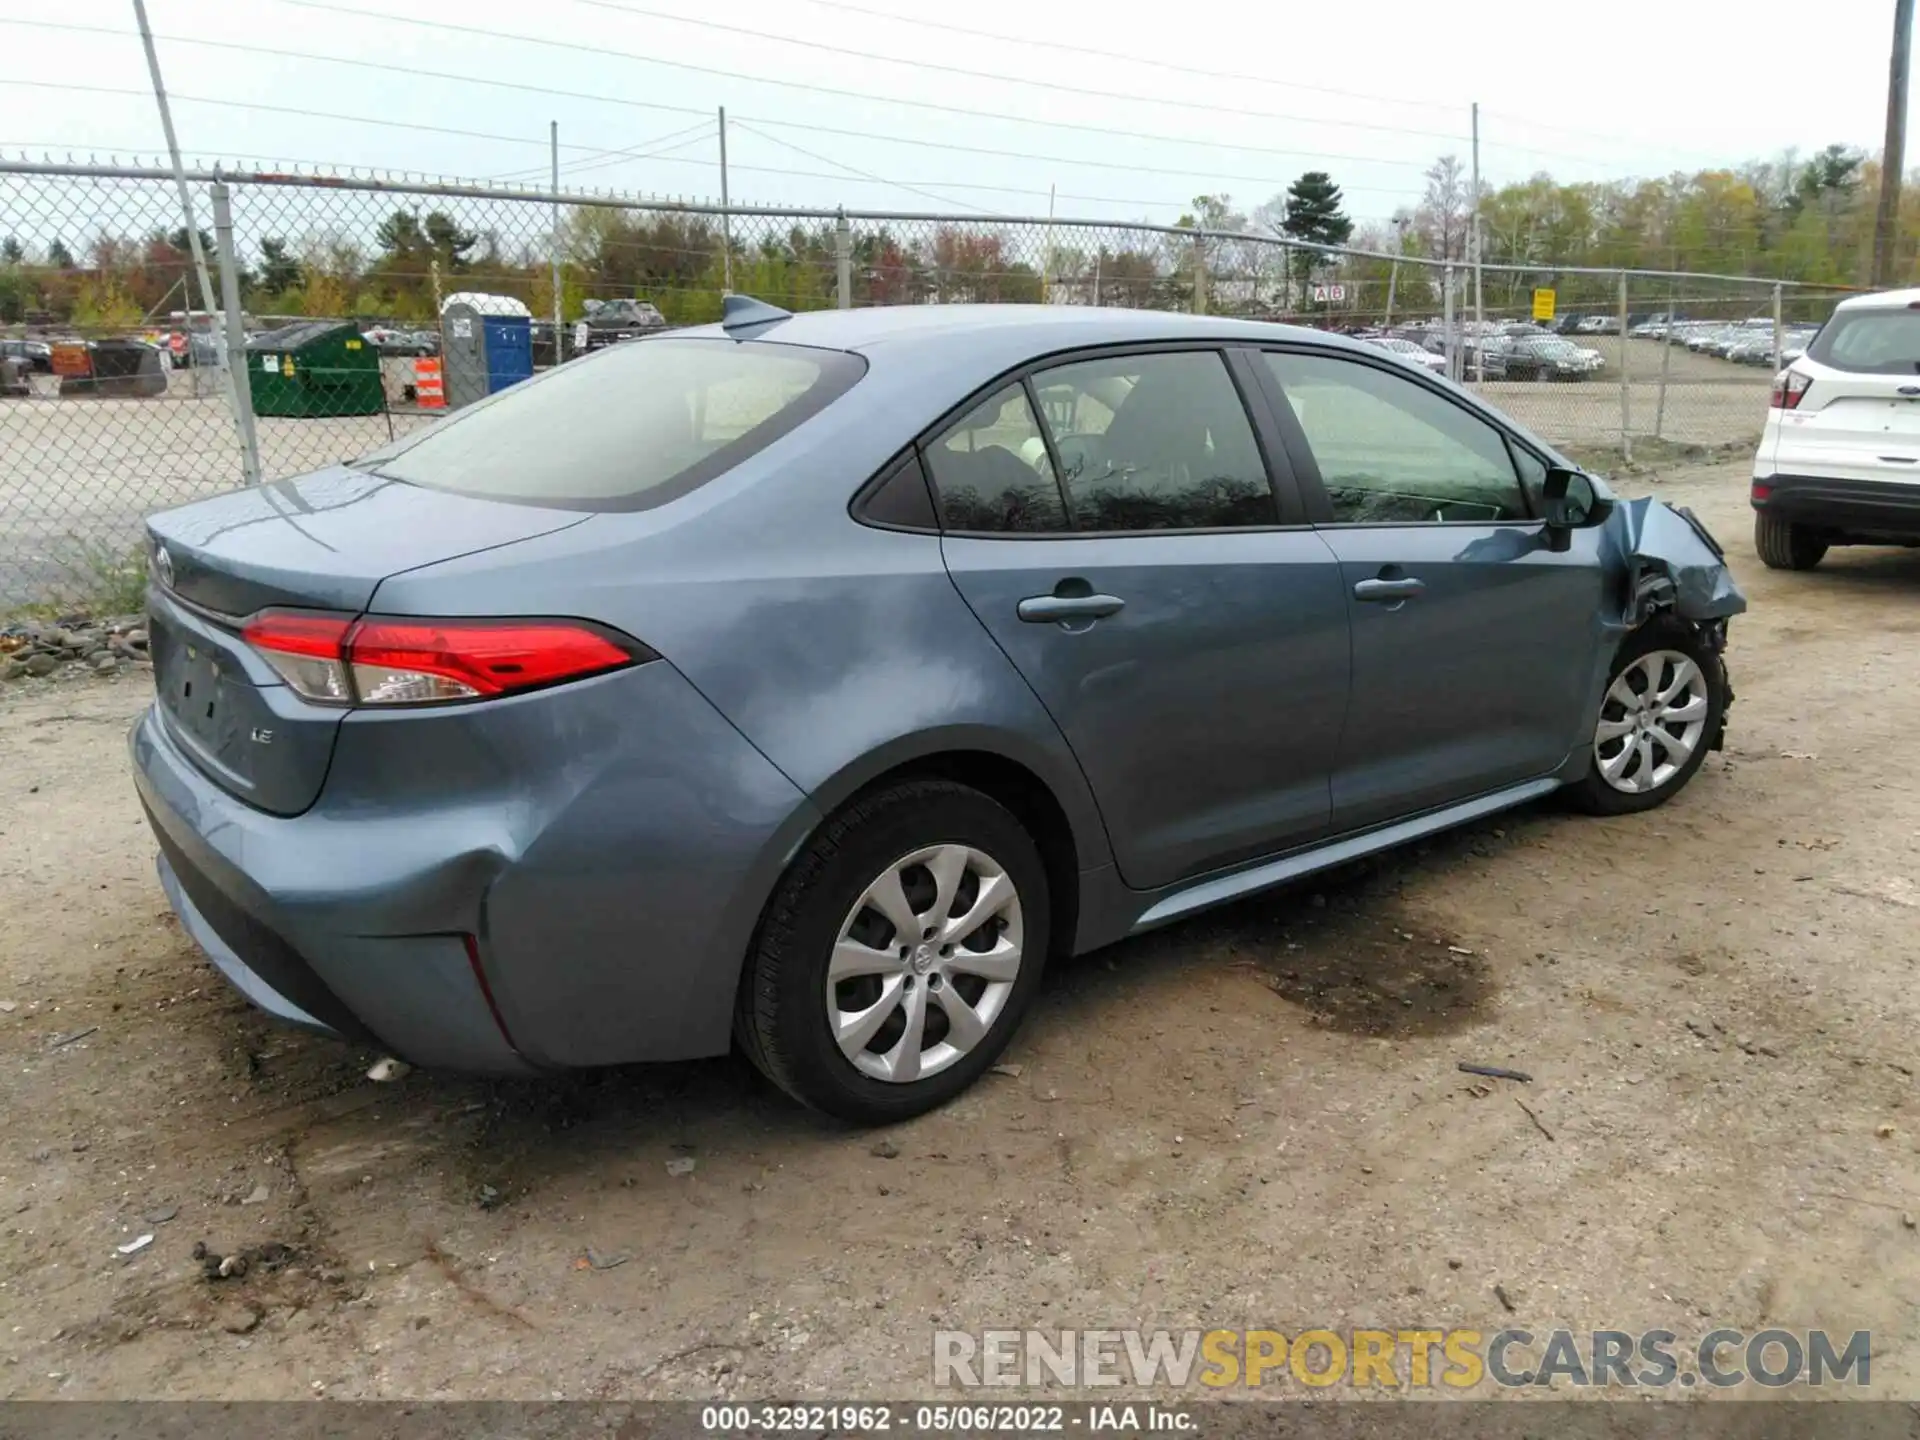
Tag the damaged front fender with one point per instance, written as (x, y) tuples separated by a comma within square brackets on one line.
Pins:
[(1672, 563), (1674, 566)]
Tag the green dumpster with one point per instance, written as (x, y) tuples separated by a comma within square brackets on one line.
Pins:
[(315, 368)]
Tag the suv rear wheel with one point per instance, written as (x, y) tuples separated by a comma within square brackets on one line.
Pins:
[(1658, 715), (1786, 546), (898, 954)]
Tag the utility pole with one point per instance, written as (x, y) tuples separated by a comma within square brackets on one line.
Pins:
[(726, 214), (1046, 257), (1473, 239), (179, 170), (553, 243), (1393, 274), (1894, 158)]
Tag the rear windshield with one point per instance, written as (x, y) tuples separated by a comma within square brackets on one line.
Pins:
[(625, 428), (1870, 342)]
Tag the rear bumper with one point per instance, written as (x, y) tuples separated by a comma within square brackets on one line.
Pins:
[(607, 847), (1864, 509)]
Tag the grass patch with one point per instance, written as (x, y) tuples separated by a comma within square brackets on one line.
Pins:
[(96, 578)]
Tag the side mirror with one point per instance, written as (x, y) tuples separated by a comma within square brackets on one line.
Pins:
[(1572, 500)]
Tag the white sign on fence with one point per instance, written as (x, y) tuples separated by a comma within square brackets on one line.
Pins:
[(1329, 294)]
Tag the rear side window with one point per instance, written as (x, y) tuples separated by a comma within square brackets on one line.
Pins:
[(1870, 342), (1155, 442), (632, 426), (992, 471)]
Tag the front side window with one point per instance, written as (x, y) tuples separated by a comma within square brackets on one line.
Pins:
[(1155, 442), (631, 426), (1391, 451), (992, 472)]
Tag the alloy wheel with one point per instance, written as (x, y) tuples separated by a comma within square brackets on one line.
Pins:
[(924, 963), (1652, 719)]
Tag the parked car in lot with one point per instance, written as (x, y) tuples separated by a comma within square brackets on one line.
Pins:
[(1753, 348), (403, 344), (1407, 350), (608, 322), (35, 355), (808, 681), (1839, 459), (1548, 357)]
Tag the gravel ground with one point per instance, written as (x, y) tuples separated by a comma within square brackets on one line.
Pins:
[(1251, 1119)]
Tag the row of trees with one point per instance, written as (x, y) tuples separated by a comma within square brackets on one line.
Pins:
[(1790, 218)]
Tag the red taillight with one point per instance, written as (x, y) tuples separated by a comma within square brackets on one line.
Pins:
[(1789, 386), (1761, 493), (402, 661), (308, 651)]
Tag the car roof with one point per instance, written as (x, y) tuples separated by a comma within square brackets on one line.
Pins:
[(1885, 300), (993, 330)]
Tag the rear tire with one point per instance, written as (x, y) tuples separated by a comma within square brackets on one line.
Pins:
[(944, 1000), (1661, 711), (1784, 545)]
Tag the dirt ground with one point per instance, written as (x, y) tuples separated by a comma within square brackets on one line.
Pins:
[(1252, 1119)]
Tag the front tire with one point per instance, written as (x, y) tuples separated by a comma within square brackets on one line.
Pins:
[(898, 954), (1784, 545), (1662, 708)]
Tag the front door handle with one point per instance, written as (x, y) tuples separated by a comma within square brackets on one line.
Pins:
[(1052, 609), (1389, 591)]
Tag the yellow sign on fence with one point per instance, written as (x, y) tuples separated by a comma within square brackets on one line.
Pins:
[(1543, 304)]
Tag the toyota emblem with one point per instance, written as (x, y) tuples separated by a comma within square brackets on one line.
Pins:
[(163, 567)]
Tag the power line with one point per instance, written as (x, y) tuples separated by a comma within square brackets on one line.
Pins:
[(862, 174), (1052, 159), (602, 51), (602, 157), (412, 72), (310, 114), (1052, 86), (597, 158), (1157, 63)]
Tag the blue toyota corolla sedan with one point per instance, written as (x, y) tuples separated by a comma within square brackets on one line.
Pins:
[(807, 681)]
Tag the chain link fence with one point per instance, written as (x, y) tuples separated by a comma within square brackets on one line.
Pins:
[(351, 303)]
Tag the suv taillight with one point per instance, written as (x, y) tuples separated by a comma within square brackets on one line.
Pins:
[(400, 660), (1789, 386)]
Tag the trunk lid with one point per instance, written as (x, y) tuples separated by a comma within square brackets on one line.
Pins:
[(1852, 427), (322, 542)]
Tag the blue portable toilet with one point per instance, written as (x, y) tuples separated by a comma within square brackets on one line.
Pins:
[(487, 345)]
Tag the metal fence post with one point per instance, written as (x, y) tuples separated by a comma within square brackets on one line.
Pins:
[(1779, 338), (1446, 321), (1199, 275), (239, 383), (1626, 400), (553, 244), (843, 263), (1666, 362)]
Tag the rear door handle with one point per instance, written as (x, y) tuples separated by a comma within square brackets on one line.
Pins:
[(1388, 591), (1051, 609)]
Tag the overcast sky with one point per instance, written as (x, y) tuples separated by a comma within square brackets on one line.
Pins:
[(1370, 92)]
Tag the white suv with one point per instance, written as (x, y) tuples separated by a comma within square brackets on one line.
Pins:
[(1839, 461)]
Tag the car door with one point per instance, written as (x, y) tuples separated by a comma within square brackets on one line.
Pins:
[(1171, 609), (1473, 639)]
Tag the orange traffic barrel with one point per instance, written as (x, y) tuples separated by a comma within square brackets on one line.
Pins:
[(429, 386)]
